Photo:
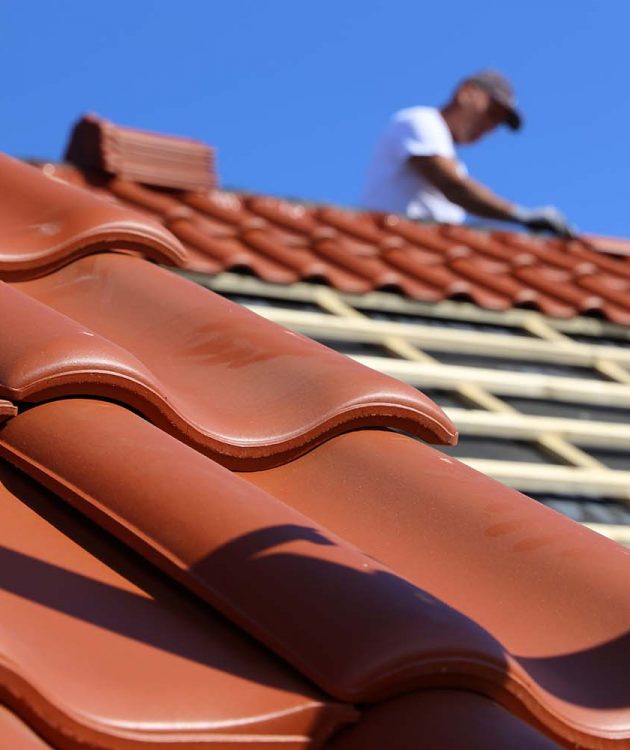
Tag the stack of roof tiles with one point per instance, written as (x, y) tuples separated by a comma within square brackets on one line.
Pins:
[(211, 538), (150, 158)]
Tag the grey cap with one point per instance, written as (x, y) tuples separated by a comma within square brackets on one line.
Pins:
[(501, 91)]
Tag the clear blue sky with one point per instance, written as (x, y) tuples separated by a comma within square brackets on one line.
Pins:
[(293, 94)]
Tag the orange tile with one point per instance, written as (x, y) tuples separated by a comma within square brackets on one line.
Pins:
[(521, 571), (232, 384), (99, 651), (354, 627), (45, 223)]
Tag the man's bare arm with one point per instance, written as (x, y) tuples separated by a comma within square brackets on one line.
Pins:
[(472, 196)]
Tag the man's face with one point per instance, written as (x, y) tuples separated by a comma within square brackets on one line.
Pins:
[(481, 114)]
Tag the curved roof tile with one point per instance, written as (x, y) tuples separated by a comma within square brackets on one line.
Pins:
[(193, 362), (45, 223), (353, 626), (98, 651), (518, 569)]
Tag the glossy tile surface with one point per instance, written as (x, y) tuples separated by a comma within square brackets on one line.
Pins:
[(98, 651), (223, 379), (45, 222), (354, 251), (354, 627), (401, 567), (521, 571)]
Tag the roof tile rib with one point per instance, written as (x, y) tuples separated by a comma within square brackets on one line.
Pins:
[(519, 570), (356, 629), (196, 364), (45, 223), (98, 651)]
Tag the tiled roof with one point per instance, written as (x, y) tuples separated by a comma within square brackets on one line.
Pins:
[(285, 241), (211, 538)]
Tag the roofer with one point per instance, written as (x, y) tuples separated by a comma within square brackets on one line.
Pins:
[(415, 170)]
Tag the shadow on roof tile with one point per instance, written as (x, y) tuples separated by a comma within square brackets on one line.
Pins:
[(98, 651), (444, 720)]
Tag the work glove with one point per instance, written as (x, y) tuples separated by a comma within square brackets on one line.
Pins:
[(545, 219)]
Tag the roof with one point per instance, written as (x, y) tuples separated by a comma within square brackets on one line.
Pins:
[(217, 532), (285, 241)]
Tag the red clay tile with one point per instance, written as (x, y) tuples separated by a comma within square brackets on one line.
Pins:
[(614, 266), (496, 277), (616, 314), (555, 284), (369, 269), (613, 245), (230, 383), (354, 627), (99, 651), (45, 223), (543, 251), (227, 207), (293, 216), (359, 226), (231, 253), (551, 592), (150, 158), (16, 735), (441, 720), (485, 243), (300, 260), (424, 236), (606, 290)]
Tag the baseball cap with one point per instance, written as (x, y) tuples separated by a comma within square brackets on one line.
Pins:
[(501, 91)]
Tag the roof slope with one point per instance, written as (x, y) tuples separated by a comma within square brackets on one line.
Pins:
[(210, 515)]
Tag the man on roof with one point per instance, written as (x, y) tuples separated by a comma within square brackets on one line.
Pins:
[(415, 170)]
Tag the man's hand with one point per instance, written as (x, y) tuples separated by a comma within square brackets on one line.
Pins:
[(545, 219)]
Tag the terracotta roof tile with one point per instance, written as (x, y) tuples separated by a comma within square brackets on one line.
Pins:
[(355, 628), (99, 651), (45, 223), (151, 158), (518, 569), (92, 327)]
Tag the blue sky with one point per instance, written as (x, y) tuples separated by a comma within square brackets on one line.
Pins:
[(293, 94)]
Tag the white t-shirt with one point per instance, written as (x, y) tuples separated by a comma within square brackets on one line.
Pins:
[(393, 185)]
